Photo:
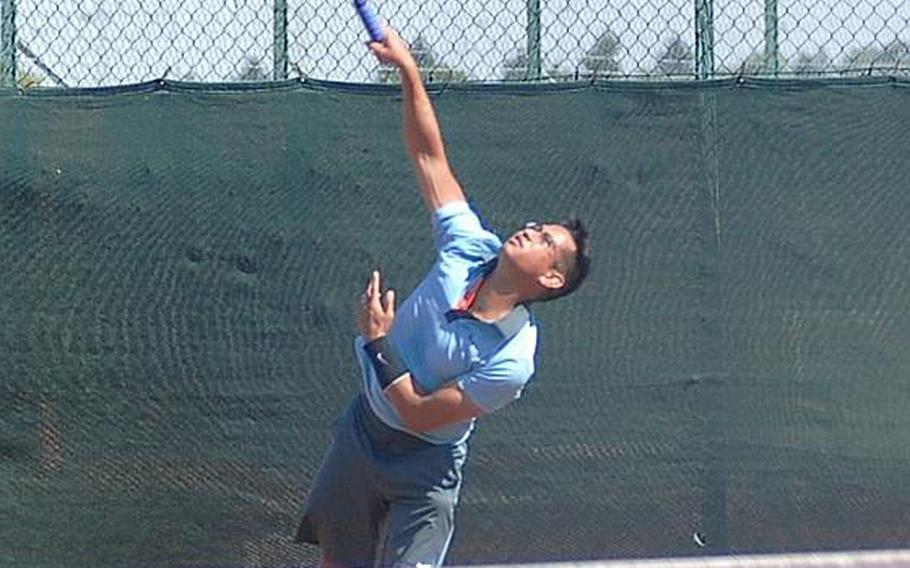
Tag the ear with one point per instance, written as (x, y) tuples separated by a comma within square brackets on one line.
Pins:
[(552, 280)]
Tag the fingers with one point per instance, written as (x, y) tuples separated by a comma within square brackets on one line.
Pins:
[(372, 289), (381, 47), (389, 303), (375, 291), (376, 310), (387, 33), (374, 298), (390, 33), (392, 49), (382, 53)]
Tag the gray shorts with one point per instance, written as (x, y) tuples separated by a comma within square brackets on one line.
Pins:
[(382, 497)]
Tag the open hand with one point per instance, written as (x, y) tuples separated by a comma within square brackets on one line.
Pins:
[(375, 310)]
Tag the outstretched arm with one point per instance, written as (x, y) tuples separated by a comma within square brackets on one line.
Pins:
[(421, 128)]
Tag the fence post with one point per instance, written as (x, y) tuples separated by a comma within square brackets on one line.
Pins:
[(280, 49), (533, 32), (8, 43), (704, 39), (772, 58)]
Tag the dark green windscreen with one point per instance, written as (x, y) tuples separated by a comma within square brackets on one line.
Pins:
[(176, 316)]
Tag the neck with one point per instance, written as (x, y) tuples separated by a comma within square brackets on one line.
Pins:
[(497, 296)]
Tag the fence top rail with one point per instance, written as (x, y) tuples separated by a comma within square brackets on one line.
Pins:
[(438, 89)]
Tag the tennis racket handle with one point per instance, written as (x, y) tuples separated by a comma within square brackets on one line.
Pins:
[(370, 20)]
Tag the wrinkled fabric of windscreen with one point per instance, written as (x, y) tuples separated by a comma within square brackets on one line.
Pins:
[(180, 267)]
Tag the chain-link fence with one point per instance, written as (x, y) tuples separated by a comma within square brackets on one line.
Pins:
[(109, 42)]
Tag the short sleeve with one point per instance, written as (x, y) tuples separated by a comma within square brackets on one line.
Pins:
[(494, 386), (458, 232)]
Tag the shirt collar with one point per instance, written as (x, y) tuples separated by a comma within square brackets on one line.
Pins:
[(508, 325)]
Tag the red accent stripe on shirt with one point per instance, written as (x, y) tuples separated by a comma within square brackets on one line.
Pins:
[(469, 296)]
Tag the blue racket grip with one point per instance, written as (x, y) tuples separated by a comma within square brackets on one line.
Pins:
[(370, 20)]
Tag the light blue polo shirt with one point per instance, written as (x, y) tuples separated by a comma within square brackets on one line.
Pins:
[(490, 362)]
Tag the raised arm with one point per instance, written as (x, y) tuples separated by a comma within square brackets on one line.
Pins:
[(421, 129)]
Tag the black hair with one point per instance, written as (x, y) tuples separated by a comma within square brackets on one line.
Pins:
[(577, 267)]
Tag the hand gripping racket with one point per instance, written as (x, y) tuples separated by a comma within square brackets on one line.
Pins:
[(370, 20)]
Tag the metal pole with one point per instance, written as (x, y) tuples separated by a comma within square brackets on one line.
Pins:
[(8, 43), (533, 33), (280, 53), (704, 39), (772, 57)]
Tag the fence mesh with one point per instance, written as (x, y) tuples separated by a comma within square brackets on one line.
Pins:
[(110, 42)]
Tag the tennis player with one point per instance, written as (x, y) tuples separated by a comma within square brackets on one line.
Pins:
[(460, 347)]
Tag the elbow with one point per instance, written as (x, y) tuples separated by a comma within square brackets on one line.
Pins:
[(431, 160), (424, 160)]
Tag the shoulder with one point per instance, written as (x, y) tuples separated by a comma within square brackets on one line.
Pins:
[(459, 232)]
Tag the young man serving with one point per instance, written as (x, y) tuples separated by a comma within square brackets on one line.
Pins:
[(460, 347)]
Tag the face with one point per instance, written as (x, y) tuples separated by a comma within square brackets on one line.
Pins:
[(540, 251)]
